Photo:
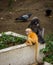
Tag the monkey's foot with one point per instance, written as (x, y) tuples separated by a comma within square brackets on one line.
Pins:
[(28, 44), (34, 64)]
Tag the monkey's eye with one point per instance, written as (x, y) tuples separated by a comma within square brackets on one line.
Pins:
[(35, 23)]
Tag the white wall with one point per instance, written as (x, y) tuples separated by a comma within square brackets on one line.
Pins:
[(18, 55)]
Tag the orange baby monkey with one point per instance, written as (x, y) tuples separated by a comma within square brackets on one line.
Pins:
[(32, 38)]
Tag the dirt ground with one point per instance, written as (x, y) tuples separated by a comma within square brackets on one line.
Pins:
[(36, 7)]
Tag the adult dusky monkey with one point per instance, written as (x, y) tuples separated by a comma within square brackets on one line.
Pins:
[(36, 27)]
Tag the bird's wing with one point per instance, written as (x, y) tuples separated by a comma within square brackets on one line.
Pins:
[(25, 16)]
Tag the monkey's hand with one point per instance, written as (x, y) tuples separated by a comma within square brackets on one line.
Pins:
[(28, 43)]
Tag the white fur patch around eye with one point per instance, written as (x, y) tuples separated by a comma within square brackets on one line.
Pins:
[(37, 24)]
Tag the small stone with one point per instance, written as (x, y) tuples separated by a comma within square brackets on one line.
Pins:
[(15, 0), (50, 16), (10, 12), (33, 64), (1, 18)]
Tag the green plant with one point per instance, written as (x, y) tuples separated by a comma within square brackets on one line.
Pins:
[(9, 40), (48, 50)]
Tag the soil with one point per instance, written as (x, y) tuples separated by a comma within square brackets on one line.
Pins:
[(19, 7)]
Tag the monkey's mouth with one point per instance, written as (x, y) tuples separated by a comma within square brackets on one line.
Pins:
[(26, 32), (37, 24)]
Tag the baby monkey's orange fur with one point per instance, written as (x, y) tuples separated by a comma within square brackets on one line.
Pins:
[(32, 38)]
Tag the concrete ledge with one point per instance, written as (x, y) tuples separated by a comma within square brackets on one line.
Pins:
[(12, 48), (46, 63), (14, 34)]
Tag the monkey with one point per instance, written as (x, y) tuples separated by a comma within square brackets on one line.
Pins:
[(32, 38), (35, 26)]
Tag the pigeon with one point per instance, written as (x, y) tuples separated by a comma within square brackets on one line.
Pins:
[(24, 18)]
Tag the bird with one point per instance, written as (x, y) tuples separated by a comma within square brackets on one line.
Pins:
[(24, 17), (48, 12)]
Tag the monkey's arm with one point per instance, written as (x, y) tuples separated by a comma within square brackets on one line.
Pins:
[(29, 40)]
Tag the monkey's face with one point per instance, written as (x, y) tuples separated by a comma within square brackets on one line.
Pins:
[(35, 22), (28, 30)]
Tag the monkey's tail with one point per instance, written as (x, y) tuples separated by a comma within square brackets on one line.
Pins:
[(36, 51)]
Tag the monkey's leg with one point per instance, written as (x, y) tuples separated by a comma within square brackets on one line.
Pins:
[(28, 42)]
